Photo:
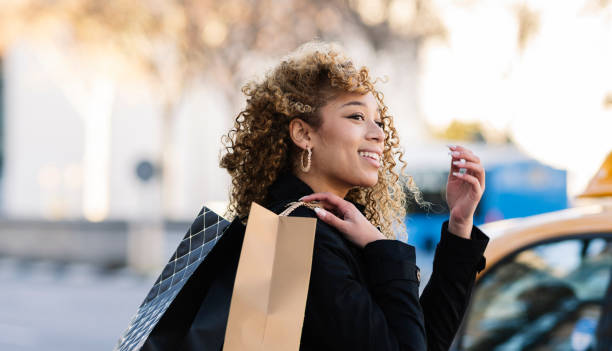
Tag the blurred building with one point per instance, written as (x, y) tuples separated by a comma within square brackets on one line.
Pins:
[(73, 139), (72, 144)]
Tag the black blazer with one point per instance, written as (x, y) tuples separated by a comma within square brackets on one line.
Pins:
[(358, 299), (367, 299)]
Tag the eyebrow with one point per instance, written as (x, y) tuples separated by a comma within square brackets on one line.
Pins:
[(357, 103)]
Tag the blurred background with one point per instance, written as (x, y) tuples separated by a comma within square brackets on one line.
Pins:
[(111, 116)]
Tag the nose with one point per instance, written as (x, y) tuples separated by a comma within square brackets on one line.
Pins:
[(375, 132)]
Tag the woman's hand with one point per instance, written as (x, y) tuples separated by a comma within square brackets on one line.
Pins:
[(463, 191), (345, 217)]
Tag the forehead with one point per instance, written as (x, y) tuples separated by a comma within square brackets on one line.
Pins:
[(343, 100)]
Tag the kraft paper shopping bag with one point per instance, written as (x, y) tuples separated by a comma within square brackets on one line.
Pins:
[(271, 286)]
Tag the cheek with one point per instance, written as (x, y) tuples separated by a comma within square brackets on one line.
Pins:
[(340, 149)]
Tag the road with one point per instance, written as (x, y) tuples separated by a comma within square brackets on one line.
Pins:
[(46, 306)]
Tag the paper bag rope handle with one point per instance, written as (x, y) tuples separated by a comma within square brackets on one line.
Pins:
[(296, 204)]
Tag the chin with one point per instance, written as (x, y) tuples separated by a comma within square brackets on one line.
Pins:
[(369, 181)]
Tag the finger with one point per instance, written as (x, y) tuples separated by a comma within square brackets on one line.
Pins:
[(330, 219), (329, 201), (468, 156), (457, 164), (327, 196), (464, 151), (470, 179), (330, 207), (460, 152), (476, 168), (460, 148)]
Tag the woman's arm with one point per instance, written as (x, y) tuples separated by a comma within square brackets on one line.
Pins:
[(387, 316), (447, 294), (459, 254), (343, 314)]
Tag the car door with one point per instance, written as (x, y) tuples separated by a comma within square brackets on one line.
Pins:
[(552, 295)]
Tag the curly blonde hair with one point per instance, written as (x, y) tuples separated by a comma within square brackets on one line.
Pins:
[(258, 148)]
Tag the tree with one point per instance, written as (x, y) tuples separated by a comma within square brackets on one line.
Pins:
[(175, 44)]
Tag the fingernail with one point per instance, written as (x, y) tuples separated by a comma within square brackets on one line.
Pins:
[(301, 198), (320, 211), (456, 153), (457, 174), (451, 146), (462, 161)]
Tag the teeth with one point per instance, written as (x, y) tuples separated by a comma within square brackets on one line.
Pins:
[(370, 155)]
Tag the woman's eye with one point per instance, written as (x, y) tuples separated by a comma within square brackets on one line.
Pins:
[(360, 117)]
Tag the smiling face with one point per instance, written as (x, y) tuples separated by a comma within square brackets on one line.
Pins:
[(347, 147)]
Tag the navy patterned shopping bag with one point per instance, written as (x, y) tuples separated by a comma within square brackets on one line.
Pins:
[(201, 237)]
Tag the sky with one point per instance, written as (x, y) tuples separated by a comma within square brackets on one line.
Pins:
[(550, 96)]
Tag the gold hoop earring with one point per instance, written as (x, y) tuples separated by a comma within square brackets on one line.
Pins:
[(306, 168)]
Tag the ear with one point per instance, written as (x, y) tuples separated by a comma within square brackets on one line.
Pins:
[(301, 133)]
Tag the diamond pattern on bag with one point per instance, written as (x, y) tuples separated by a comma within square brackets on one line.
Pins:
[(201, 237)]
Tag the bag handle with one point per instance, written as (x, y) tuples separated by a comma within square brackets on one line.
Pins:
[(296, 204)]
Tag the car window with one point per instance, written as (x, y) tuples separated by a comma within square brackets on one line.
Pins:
[(546, 297)]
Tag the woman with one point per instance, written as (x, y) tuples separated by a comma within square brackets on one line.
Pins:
[(316, 129)]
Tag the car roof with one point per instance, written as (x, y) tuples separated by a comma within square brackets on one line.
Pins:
[(508, 236)]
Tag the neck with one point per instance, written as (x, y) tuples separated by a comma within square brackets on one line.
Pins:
[(320, 184)]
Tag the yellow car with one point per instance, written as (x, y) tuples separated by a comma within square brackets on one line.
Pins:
[(548, 282)]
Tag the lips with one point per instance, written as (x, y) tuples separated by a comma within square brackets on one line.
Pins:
[(371, 155)]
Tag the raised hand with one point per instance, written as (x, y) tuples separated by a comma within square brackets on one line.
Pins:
[(463, 191)]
